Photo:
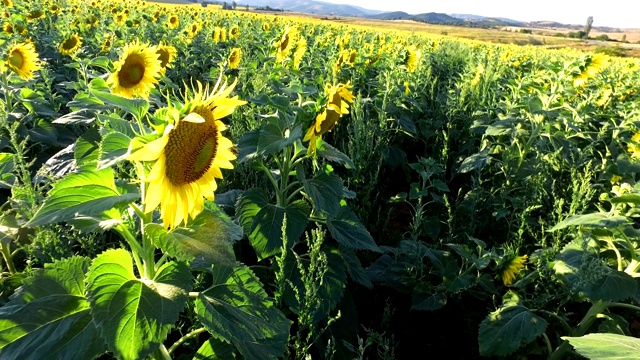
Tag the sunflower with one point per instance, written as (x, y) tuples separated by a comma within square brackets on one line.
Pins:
[(166, 55), (70, 45), (234, 58), (266, 26), (216, 34), (136, 71), (193, 29), (413, 58), (23, 59), (121, 18), (594, 65), (173, 22), (286, 43), (7, 3), (299, 53), (188, 156), (513, 268), (54, 9), (234, 32), (106, 45), (7, 28), (337, 105), (35, 15), (223, 34)]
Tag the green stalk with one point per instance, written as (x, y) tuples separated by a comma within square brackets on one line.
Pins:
[(8, 259), (186, 337), (136, 249), (588, 319)]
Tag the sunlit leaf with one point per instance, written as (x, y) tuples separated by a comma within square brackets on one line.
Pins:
[(605, 346)]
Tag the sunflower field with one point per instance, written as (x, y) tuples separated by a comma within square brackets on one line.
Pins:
[(195, 183)]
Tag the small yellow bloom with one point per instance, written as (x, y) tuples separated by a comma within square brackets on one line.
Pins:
[(7, 3), (166, 55), (234, 32), (173, 22), (70, 45), (513, 268), (616, 179)]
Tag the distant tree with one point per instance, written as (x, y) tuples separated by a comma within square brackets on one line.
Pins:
[(247, 7), (587, 26), (234, 5)]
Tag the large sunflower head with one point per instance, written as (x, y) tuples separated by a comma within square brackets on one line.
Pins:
[(136, 72), (23, 59), (189, 155), (70, 45), (234, 58)]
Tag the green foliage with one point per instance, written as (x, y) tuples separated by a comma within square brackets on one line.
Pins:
[(605, 346)]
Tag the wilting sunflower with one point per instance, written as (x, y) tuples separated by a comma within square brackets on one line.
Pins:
[(223, 34), (136, 72), (338, 98), (166, 55), (512, 268), (70, 45), (189, 155), (23, 59), (173, 21), (234, 58)]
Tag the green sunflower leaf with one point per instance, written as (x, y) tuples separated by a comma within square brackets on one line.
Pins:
[(114, 148), (325, 190), (214, 349), (136, 107), (276, 135), (349, 231), (85, 193), (135, 315), (87, 149), (595, 220), (50, 315), (209, 238), (236, 309), (330, 153), (7, 166), (605, 346), (507, 329)]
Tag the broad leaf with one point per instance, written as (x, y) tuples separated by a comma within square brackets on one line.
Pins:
[(209, 238), (214, 349), (84, 193), (50, 315), (595, 220), (275, 136), (136, 107), (508, 328), (325, 150), (424, 298), (263, 221), (114, 148), (354, 267), (7, 177), (325, 190), (135, 315), (236, 309), (349, 231), (475, 162), (605, 346)]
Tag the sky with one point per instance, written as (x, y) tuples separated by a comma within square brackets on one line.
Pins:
[(614, 13)]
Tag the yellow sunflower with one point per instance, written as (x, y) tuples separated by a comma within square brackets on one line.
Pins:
[(513, 268), (166, 54), (70, 45), (234, 32), (193, 29), (23, 59), (595, 64), (173, 22), (413, 58), (136, 72), (338, 98), (188, 156), (106, 45), (299, 53), (234, 58), (286, 42), (121, 18), (54, 8), (7, 3), (7, 28), (266, 26)]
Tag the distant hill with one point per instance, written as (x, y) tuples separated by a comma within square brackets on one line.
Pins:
[(395, 15), (437, 18), (313, 7)]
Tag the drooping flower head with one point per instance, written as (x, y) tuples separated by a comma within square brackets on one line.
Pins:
[(166, 54), (513, 268), (338, 99), (594, 64), (23, 60), (70, 45), (234, 58), (286, 43), (301, 49), (35, 15), (189, 155), (136, 72)]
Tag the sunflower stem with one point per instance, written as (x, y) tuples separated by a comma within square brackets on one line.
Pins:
[(136, 249), (8, 259), (294, 193), (186, 337)]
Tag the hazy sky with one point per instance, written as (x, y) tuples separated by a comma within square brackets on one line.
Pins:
[(615, 13)]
